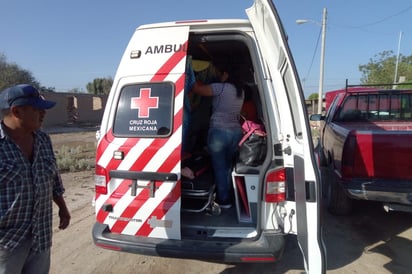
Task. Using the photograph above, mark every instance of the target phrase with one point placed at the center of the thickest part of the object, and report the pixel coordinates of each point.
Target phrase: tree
(48, 89)
(313, 96)
(100, 86)
(11, 74)
(381, 68)
(75, 90)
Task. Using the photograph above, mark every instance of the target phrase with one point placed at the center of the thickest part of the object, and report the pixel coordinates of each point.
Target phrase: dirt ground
(369, 241)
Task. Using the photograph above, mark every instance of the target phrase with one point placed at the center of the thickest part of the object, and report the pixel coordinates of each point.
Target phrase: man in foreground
(29, 182)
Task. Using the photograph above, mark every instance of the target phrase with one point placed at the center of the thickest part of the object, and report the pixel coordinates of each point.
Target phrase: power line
(378, 21)
(313, 55)
(386, 18)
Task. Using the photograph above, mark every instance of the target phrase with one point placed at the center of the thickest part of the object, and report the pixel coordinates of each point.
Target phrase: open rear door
(282, 75)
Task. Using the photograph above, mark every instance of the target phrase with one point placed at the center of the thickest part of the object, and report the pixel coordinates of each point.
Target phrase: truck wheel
(338, 203)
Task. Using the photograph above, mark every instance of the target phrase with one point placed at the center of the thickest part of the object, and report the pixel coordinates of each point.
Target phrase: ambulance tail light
(276, 186)
(101, 178)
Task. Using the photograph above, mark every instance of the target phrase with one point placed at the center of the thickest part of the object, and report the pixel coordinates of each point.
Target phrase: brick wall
(74, 108)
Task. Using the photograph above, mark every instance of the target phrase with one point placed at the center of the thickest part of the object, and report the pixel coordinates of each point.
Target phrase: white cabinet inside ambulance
(143, 203)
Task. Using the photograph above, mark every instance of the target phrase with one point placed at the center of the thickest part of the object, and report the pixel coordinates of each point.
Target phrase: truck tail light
(101, 179)
(348, 156)
(276, 186)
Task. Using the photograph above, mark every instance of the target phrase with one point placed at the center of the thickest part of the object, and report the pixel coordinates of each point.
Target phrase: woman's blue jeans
(223, 147)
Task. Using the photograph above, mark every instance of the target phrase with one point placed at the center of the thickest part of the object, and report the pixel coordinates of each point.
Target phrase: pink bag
(252, 147)
(250, 127)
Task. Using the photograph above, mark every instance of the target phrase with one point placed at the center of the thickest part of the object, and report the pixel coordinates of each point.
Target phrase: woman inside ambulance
(224, 131)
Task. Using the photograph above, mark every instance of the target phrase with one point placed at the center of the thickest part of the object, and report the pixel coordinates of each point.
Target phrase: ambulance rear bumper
(268, 248)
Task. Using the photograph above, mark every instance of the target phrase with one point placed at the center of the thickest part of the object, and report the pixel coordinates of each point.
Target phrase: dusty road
(370, 241)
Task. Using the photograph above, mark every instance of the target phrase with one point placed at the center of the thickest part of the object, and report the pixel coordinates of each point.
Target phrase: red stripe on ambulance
(167, 203)
(169, 65)
(140, 199)
(139, 164)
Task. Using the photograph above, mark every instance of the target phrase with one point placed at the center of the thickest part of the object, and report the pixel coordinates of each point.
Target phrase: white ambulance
(144, 205)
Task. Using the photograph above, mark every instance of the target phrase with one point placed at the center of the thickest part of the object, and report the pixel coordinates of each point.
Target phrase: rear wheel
(338, 203)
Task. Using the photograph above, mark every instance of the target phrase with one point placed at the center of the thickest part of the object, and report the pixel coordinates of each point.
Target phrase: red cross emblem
(144, 103)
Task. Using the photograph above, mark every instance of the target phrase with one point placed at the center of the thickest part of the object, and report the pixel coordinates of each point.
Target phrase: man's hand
(64, 218)
(63, 212)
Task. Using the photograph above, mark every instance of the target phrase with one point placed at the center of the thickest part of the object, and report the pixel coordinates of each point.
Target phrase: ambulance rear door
(140, 147)
(281, 79)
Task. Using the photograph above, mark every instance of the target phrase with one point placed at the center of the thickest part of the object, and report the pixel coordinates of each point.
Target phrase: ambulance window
(145, 110)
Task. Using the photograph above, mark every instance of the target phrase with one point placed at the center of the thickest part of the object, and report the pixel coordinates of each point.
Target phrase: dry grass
(74, 151)
(70, 159)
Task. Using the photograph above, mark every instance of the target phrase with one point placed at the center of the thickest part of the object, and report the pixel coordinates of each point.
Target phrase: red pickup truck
(365, 146)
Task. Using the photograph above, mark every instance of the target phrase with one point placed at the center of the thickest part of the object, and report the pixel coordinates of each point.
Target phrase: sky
(67, 44)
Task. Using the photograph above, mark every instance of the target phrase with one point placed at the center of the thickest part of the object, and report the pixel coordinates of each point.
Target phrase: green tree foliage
(381, 68)
(48, 89)
(100, 86)
(313, 96)
(11, 74)
(75, 90)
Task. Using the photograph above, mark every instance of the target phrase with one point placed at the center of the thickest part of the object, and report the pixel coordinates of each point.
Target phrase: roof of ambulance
(199, 22)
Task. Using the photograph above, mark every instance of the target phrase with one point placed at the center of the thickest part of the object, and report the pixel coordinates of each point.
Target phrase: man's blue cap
(23, 95)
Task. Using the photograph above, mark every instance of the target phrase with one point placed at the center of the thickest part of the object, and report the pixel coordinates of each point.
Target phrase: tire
(338, 203)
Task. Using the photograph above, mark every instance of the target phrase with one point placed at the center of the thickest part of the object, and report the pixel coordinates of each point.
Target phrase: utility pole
(322, 55)
(322, 62)
(395, 79)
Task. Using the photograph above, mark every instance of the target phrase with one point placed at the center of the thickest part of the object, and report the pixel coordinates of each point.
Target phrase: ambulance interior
(200, 216)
